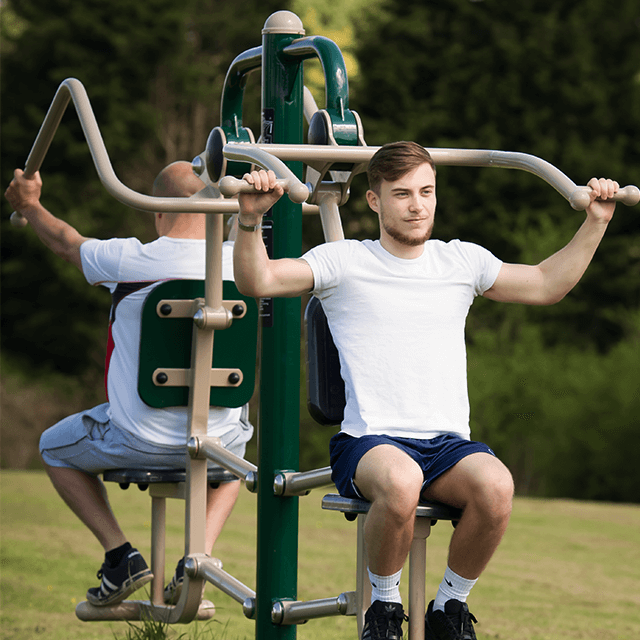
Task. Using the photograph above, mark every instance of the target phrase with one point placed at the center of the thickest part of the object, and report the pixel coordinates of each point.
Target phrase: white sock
(385, 588)
(452, 587)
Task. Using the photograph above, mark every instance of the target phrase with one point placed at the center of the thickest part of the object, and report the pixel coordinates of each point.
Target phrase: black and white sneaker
(383, 621)
(452, 624)
(173, 590)
(119, 582)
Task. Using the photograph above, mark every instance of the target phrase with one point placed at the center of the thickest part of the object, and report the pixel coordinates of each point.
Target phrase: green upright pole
(278, 440)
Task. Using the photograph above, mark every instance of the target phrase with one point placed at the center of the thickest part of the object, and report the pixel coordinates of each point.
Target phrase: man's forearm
(56, 234)
(255, 273)
(258, 276)
(250, 261)
(564, 269)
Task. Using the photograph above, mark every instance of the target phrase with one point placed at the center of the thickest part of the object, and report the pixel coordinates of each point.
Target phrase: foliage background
(554, 390)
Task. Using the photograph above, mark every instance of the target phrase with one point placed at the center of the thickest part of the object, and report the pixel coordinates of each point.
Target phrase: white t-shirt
(123, 265)
(399, 328)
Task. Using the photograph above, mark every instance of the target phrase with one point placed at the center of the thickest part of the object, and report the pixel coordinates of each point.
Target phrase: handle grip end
(18, 220)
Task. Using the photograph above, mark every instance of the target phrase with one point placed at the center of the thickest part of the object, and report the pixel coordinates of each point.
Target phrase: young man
(396, 309)
(125, 432)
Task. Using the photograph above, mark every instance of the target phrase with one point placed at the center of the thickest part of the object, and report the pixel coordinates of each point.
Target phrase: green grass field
(565, 570)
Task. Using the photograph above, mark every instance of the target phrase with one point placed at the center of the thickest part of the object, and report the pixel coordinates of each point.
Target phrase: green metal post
(278, 442)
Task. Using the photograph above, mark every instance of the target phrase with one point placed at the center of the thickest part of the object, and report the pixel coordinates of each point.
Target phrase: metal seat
(144, 477)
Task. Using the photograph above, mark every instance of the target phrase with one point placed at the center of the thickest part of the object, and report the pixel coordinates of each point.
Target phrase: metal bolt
(249, 608)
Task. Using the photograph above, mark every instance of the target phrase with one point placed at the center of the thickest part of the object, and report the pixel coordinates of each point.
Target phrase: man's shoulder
(454, 246)
(110, 244)
(337, 245)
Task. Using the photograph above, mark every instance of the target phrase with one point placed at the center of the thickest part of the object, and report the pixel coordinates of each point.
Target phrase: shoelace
(393, 618)
(463, 620)
(467, 628)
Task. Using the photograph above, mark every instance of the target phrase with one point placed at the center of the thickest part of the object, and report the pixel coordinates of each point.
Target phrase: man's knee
(391, 478)
(479, 480)
(493, 491)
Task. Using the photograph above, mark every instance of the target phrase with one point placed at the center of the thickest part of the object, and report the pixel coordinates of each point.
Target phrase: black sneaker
(118, 582)
(452, 624)
(173, 590)
(383, 621)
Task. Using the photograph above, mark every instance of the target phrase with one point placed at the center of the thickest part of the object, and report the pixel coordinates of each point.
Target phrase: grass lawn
(565, 570)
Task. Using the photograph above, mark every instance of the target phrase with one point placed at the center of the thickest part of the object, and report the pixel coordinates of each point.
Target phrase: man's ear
(373, 200)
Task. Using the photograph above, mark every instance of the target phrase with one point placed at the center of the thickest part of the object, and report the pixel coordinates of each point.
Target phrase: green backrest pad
(166, 343)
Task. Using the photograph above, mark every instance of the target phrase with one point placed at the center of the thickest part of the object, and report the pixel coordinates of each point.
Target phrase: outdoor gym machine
(334, 154)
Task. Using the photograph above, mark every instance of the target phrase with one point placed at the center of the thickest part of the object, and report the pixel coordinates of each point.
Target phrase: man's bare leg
(87, 497)
(482, 487)
(391, 481)
(220, 503)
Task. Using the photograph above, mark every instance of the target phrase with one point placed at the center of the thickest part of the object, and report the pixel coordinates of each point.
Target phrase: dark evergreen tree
(153, 72)
(557, 80)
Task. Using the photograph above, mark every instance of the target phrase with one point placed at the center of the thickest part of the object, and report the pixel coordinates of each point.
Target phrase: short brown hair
(394, 160)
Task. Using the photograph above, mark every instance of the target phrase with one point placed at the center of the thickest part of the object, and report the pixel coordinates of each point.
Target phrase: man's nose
(415, 203)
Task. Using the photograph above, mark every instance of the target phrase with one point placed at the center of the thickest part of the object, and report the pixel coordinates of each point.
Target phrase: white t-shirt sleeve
(328, 263)
(102, 259)
(484, 264)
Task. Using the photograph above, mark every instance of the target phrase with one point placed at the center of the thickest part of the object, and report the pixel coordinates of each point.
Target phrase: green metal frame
(279, 443)
(343, 123)
(281, 58)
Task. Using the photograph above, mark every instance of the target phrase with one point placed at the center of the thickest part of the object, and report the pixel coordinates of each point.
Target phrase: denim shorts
(89, 442)
(434, 456)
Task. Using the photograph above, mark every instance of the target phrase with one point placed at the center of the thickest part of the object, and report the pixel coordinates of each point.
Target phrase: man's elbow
(547, 298)
(244, 287)
(250, 288)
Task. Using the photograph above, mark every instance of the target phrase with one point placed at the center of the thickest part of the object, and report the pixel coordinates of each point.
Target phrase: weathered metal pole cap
(283, 22)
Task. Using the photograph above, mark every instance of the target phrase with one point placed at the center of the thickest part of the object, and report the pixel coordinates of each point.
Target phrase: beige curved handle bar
(72, 89)
(318, 156)
(230, 186)
(629, 195)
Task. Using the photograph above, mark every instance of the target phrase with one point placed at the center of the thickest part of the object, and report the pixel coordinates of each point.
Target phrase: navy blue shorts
(434, 456)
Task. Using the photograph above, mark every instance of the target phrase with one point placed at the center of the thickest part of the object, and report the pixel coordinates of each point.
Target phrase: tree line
(554, 390)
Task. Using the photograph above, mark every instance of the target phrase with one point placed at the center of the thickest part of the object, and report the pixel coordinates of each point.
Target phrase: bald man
(124, 432)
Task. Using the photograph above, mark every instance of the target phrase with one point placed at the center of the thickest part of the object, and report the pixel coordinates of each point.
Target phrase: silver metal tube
(210, 448)
(286, 612)
(210, 569)
(292, 483)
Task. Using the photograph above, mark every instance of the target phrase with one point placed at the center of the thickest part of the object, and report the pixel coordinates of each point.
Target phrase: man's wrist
(27, 209)
(245, 225)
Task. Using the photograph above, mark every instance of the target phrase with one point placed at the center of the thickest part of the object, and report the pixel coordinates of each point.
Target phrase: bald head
(177, 180)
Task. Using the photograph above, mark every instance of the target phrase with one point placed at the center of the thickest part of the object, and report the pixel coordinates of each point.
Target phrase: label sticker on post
(266, 304)
(268, 120)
